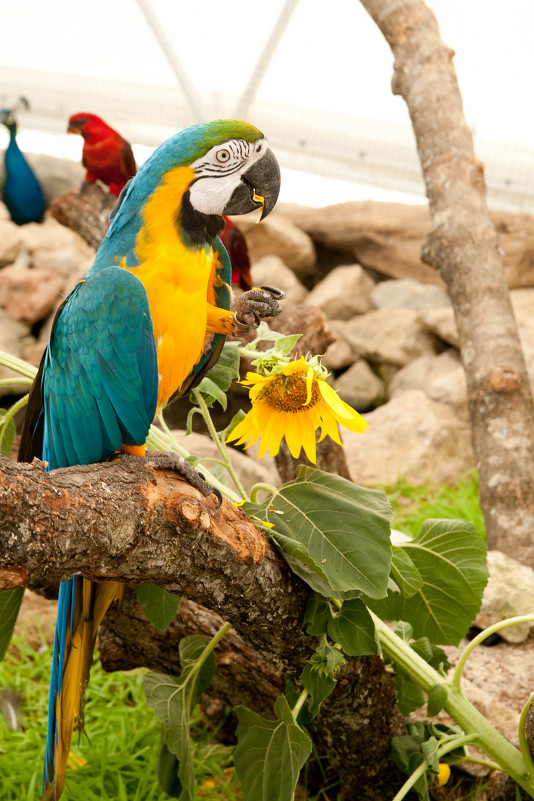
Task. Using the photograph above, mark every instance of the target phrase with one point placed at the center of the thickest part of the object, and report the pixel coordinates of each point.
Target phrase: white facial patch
(219, 172)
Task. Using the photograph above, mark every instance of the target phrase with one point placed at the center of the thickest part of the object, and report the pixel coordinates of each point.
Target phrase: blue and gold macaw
(21, 191)
(150, 317)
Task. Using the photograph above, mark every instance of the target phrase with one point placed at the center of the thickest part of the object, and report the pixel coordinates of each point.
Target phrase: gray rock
(29, 295)
(56, 176)
(14, 336)
(409, 294)
(339, 354)
(509, 592)
(360, 387)
(10, 241)
(393, 336)
(410, 437)
(278, 236)
(441, 377)
(272, 271)
(344, 293)
(442, 323)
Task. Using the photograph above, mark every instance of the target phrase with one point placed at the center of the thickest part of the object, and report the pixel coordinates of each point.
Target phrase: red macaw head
(88, 125)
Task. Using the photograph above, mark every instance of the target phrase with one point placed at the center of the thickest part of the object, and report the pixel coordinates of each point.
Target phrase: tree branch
(464, 247)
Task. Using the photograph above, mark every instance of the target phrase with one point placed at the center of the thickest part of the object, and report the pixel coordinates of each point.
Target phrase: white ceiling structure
(313, 75)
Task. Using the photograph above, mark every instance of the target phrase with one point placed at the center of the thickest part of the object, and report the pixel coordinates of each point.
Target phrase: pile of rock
(395, 357)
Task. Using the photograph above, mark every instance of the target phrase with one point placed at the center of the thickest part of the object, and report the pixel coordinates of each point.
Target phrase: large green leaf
(159, 606)
(172, 698)
(353, 629)
(450, 556)
(404, 572)
(344, 529)
(270, 753)
(10, 601)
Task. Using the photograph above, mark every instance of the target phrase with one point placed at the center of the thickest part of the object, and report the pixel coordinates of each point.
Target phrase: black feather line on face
(200, 228)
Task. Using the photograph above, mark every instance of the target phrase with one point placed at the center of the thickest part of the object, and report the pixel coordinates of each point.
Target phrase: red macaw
(106, 155)
(236, 245)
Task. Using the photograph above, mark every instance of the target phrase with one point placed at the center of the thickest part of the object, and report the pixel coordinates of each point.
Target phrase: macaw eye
(222, 156)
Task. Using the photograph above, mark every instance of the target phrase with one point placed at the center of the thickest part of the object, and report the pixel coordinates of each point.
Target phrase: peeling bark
(85, 212)
(463, 246)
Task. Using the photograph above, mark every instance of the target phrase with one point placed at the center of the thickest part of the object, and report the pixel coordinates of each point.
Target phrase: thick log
(85, 212)
(463, 247)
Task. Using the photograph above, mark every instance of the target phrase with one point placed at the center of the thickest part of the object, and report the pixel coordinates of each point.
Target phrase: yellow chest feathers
(176, 280)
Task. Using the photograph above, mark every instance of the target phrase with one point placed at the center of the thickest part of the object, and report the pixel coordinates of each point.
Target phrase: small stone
(409, 294)
(29, 295)
(344, 293)
(278, 236)
(508, 593)
(360, 387)
(271, 271)
(393, 336)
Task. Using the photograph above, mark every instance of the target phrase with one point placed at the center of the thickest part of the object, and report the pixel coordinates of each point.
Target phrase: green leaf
(191, 649)
(236, 419)
(344, 528)
(301, 563)
(167, 696)
(354, 630)
(270, 753)
(410, 695)
(172, 698)
(317, 614)
(450, 556)
(436, 657)
(404, 572)
(212, 392)
(318, 675)
(168, 768)
(404, 630)
(285, 344)
(10, 601)
(8, 433)
(430, 753)
(159, 605)
(437, 698)
(220, 378)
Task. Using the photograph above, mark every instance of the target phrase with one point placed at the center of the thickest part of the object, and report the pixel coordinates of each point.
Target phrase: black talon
(279, 294)
(218, 495)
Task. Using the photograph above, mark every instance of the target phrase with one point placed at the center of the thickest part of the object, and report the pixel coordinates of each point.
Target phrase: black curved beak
(259, 188)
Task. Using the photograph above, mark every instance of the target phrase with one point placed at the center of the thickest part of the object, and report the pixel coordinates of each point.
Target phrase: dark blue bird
(21, 192)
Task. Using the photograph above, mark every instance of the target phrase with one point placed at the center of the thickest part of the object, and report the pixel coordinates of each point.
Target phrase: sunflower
(293, 401)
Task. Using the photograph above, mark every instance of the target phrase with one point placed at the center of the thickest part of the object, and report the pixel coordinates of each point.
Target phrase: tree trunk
(463, 246)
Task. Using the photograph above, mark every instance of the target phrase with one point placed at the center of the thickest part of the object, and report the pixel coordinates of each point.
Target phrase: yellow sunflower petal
(244, 430)
(344, 413)
(308, 437)
(271, 435)
(309, 385)
(329, 426)
(293, 434)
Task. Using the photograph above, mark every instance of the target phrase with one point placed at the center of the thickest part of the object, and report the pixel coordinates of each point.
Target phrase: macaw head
(91, 127)
(234, 171)
(192, 181)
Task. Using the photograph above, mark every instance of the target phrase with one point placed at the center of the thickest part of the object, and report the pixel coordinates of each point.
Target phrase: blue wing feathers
(100, 379)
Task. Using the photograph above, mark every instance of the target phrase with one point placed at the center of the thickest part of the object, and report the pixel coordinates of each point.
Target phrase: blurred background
(314, 76)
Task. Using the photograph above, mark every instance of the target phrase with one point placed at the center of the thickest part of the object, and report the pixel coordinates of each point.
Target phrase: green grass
(413, 505)
(118, 762)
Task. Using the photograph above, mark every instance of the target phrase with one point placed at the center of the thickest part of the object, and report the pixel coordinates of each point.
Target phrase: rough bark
(85, 212)
(463, 246)
(132, 523)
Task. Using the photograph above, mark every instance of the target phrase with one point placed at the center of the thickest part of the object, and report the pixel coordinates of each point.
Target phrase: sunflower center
(288, 393)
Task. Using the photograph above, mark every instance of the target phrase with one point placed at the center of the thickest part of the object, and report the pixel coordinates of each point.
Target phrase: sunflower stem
(10, 414)
(219, 443)
(261, 487)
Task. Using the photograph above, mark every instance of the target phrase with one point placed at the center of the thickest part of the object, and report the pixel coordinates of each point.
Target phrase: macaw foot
(168, 460)
(257, 303)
